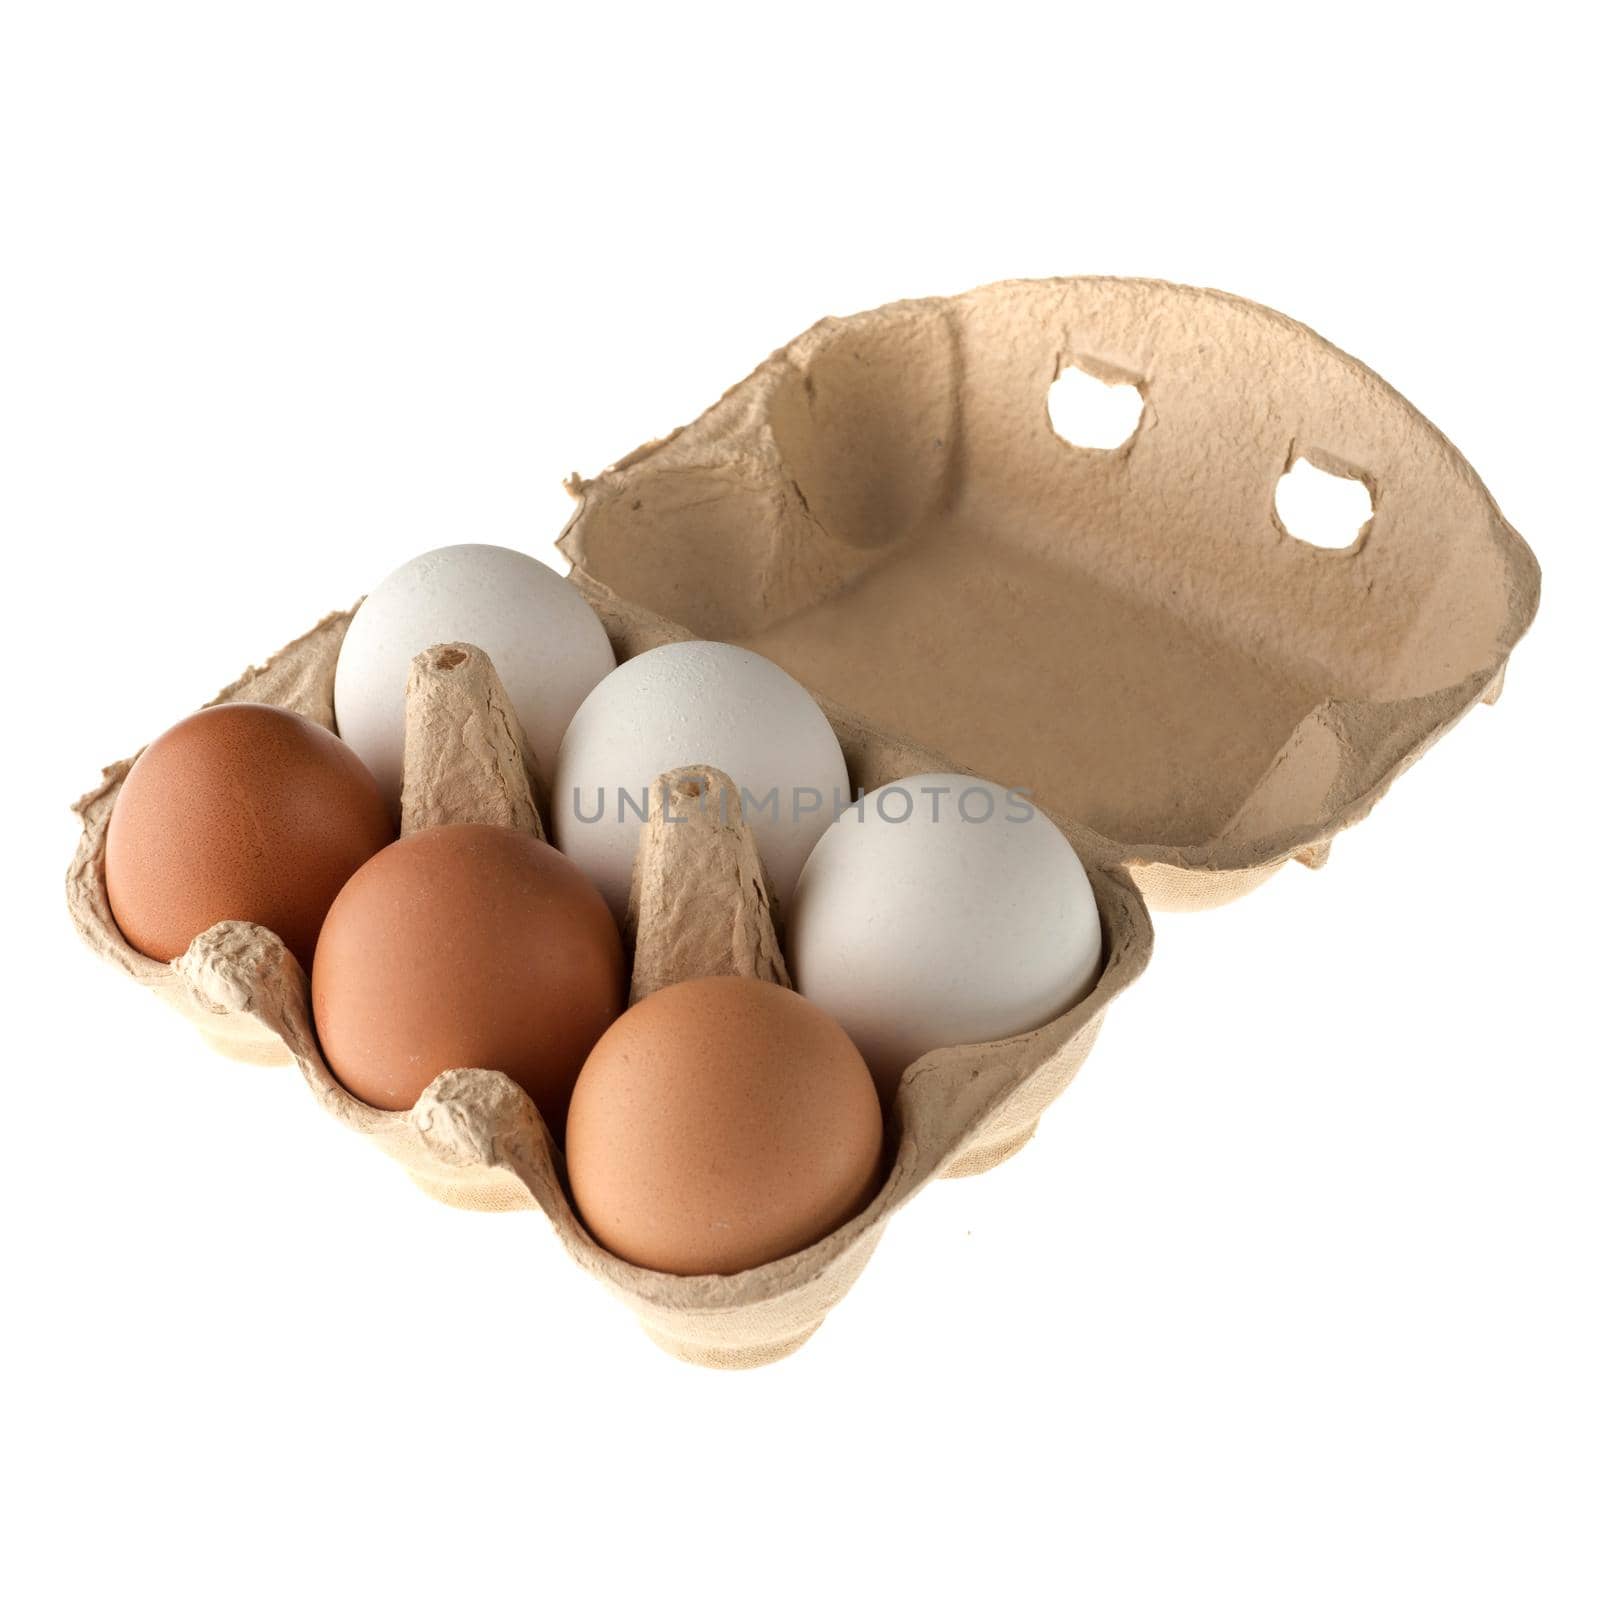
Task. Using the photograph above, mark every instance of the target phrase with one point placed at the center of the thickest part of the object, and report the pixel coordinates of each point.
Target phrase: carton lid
(1131, 633)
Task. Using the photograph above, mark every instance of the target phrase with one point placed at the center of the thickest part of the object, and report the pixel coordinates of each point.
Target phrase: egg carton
(885, 508)
(700, 907)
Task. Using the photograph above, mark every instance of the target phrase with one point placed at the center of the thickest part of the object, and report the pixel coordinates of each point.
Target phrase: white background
(1295, 1292)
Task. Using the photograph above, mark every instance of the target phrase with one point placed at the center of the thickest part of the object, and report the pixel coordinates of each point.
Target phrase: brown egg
(466, 946)
(720, 1124)
(239, 813)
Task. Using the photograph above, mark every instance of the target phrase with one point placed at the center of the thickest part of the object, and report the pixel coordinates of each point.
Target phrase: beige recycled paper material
(884, 508)
(700, 905)
(466, 756)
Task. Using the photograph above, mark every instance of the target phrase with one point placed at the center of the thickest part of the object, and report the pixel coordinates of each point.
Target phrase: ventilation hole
(1091, 414)
(1322, 508)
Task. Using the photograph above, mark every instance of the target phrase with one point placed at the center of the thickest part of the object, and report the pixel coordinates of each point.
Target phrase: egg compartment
(887, 508)
(700, 906)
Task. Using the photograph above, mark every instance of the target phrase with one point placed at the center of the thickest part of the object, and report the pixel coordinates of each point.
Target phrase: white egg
(942, 910)
(545, 642)
(684, 705)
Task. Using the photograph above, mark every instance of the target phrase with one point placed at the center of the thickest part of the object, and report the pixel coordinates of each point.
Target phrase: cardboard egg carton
(885, 509)
(700, 907)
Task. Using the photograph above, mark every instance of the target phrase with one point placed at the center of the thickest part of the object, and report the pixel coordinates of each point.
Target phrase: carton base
(983, 1156)
(492, 1191)
(722, 1359)
(475, 1142)
(245, 1039)
(1169, 888)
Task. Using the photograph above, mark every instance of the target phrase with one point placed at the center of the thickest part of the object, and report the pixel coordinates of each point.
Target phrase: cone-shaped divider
(700, 905)
(466, 756)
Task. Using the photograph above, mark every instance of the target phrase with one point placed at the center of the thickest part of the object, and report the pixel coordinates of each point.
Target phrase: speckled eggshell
(942, 910)
(677, 705)
(720, 1124)
(239, 813)
(546, 644)
(466, 946)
